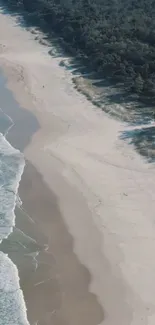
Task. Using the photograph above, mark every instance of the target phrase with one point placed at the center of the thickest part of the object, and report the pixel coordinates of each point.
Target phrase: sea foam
(11, 168)
(12, 305)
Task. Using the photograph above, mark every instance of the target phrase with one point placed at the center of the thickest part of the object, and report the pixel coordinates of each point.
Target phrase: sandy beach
(89, 193)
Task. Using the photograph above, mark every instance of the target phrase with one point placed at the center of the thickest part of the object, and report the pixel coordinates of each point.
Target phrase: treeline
(116, 37)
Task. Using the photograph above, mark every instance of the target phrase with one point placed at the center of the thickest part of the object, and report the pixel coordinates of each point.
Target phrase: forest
(116, 38)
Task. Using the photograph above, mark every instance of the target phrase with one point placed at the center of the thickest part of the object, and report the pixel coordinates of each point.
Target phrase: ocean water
(12, 305)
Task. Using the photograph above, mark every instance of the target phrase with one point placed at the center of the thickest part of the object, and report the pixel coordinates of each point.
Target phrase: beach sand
(89, 194)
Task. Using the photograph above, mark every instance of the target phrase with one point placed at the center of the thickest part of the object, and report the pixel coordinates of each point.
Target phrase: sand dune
(105, 190)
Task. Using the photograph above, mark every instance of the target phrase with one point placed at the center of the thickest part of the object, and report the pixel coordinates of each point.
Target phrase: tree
(138, 84)
(116, 37)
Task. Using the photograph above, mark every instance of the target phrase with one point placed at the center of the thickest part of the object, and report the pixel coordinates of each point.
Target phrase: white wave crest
(12, 305)
(11, 168)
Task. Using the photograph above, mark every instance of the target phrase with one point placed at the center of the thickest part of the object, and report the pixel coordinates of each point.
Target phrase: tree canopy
(117, 37)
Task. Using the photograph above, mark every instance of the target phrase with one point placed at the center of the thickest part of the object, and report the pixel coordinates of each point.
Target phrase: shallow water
(12, 305)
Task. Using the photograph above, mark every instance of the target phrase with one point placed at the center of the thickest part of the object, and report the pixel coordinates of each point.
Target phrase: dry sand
(104, 190)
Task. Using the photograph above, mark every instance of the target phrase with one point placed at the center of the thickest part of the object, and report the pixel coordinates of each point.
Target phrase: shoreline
(104, 190)
(45, 272)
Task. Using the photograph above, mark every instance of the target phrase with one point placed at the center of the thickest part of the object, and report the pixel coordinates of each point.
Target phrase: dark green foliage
(116, 37)
(138, 84)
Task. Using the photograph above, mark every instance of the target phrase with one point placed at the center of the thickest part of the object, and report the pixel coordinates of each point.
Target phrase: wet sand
(56, 284)
(58, 291)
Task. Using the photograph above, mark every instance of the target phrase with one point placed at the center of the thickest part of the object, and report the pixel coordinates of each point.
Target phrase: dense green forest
(116, 37)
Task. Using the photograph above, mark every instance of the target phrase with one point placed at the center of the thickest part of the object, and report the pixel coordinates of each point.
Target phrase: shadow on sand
(143, 140)
(105, 94)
